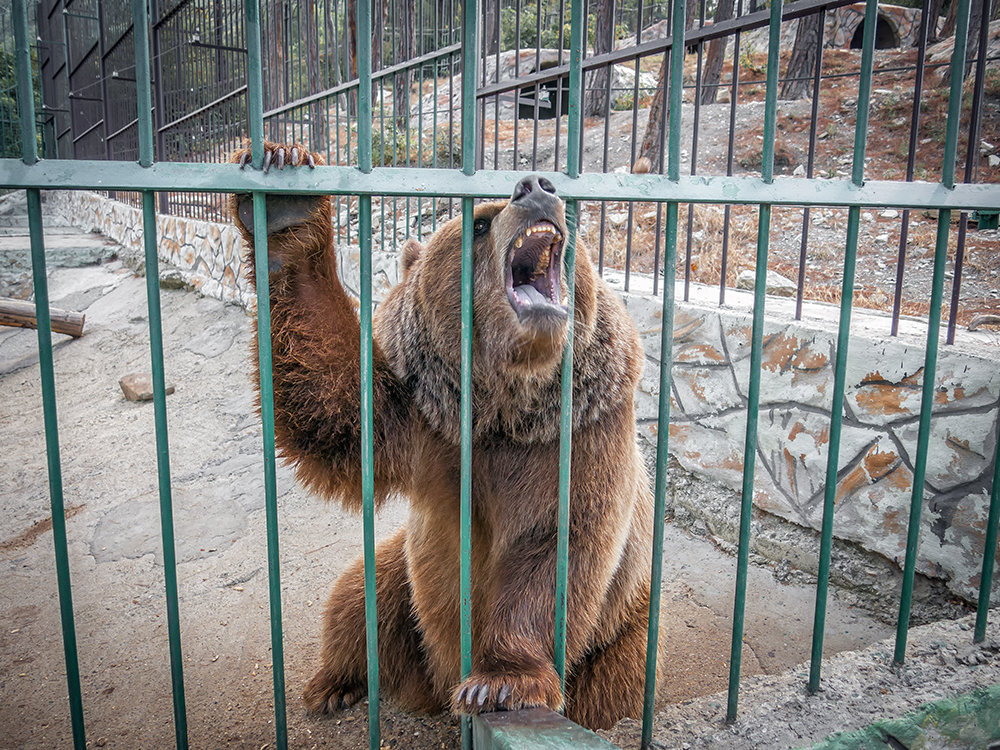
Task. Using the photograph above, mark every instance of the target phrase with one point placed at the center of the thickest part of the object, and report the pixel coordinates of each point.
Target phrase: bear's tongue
(529, 293)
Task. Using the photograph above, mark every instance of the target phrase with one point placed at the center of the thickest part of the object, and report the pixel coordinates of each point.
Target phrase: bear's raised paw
(292, 154)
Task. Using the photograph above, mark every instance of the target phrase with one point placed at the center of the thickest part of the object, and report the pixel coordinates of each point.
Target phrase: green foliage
(624, 102)
(748, 58)
(10, 124)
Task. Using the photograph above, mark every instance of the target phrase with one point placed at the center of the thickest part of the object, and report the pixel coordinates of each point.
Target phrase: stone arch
(886, 33)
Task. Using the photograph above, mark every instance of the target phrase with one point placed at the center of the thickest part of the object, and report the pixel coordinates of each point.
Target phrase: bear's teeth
(543, 264)
(520, 241)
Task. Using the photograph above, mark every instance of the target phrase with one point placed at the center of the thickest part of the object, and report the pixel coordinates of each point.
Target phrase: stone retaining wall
(207, 253)
(878, 442)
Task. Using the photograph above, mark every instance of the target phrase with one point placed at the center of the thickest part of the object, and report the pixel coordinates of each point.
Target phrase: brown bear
(520, 328)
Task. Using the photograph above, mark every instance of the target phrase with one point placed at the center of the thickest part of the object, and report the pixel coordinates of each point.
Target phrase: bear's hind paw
(326, 695)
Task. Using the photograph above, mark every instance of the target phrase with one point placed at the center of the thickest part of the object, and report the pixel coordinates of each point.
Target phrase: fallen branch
(15, 312)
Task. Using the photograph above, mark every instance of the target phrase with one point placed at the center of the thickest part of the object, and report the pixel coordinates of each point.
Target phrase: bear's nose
(534, 192)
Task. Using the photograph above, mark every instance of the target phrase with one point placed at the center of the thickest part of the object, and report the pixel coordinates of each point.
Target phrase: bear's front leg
(513, 644)
(315, 340)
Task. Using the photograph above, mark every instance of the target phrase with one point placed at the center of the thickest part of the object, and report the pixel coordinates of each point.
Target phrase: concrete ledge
(534, 728)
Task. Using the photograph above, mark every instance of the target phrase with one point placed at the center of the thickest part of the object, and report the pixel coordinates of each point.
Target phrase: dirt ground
(109, 477)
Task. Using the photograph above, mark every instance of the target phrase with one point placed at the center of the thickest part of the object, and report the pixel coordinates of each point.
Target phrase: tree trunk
(405, 49)
(604, 39)
(975, 19)
(933, 19)
(658, 110)
(716, 53)
(949, 22)
(490, 27)
(802, 64)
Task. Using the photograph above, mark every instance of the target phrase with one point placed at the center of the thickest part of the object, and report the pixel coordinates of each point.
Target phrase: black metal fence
(310, 85)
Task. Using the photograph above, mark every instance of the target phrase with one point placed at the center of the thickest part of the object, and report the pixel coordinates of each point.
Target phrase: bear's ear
(411, 251)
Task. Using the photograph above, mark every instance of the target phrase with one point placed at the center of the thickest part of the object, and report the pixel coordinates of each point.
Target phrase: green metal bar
(364, 26)
(368, 466)
(565, 448)
(989, 551)
(843, 340)
(270, 492)
(666, 371)
(255, 96)
(447, 183)
(771, 95)
(955, 93)
(470, 18)
(140, 25)
(566, 409)
(575, 111)
(255, 99)
(923, 435)
(933, 330)
(660, 482)
(756, 346)
(55, 471)
(749, 459)
(163, 468)
(29, 154)
(465, 512)
(25, 92)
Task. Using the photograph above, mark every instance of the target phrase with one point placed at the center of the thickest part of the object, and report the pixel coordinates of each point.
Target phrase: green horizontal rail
(447, 183)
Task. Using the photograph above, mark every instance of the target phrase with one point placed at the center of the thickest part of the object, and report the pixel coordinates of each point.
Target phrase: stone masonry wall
(708, 399)
(207, 253)
(879, 437)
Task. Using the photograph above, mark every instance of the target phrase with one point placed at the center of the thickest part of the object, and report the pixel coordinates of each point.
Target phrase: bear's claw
(508, 691)
(279, 155)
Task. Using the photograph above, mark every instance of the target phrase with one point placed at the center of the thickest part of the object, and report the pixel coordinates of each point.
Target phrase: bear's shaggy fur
(515, 462)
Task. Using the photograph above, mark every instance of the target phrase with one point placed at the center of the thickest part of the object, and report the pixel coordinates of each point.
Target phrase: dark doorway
(553, 99)
(886, 36)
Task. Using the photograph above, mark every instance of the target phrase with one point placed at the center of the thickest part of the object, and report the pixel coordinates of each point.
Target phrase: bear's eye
(480, 227)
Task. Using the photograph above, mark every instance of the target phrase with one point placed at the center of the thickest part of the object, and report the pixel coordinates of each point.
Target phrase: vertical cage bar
(364, 27)
(256, 108)
(989, 551)
(756, 346)
(811, 161)
(666, 365)
(29, 155)
(45, 362)
(565, 448)
(140, 34)
(933, 331)
(368, 465)
(469, 42)
(843, 340)
(566, 408)
(971, 160)
(918, 88)
(465, 540)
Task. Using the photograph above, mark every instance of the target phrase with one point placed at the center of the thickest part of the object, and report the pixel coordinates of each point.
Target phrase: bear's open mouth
(533, 270)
